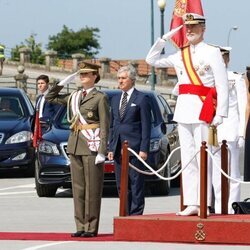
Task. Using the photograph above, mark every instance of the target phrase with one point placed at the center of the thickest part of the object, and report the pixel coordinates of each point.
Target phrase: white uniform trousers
(234, 171)
(191, 136)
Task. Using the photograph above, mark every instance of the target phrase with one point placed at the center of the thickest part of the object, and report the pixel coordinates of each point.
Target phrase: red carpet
(216, 229)
(51, 236)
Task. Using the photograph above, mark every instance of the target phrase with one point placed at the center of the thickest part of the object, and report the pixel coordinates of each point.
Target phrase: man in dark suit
(46, 110)
(131, 121)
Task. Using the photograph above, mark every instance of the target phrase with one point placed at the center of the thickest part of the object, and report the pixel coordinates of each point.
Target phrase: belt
(209, 103)
(193, 89)
(85, 126)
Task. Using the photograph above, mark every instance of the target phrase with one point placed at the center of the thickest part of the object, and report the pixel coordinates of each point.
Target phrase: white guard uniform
(208, 63)
(231, 129)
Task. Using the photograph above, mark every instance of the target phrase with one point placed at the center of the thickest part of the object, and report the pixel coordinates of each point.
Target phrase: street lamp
(153, 77)
(229, 33)
(162, 5)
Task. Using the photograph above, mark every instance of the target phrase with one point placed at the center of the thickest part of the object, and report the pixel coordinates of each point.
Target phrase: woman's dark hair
(97, 76)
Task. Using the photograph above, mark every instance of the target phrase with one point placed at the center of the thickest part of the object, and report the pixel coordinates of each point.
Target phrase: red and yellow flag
(37, 131)
(182, 7)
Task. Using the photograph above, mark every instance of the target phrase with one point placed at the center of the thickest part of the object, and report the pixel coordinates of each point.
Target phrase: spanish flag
(182, 7)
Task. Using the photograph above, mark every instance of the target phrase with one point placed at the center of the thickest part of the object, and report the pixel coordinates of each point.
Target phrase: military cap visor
(88, 67)
(192, 18)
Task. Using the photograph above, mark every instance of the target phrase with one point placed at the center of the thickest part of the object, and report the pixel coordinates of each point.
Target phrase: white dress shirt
(129, 92)
(41, 103)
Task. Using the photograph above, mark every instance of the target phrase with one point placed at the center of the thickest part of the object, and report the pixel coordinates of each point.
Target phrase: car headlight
(48, 148)
(22, 136)
(154, 145)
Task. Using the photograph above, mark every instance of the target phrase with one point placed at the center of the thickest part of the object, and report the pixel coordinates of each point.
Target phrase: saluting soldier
(233, 131)
(201, 73)
(88, 113)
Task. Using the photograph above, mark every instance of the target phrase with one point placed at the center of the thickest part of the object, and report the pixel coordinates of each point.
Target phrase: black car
(16, 117)
(52, 168)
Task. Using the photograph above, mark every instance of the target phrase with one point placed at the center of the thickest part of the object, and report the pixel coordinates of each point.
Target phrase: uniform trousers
(191, 136)
(87, 184)
(234, 171)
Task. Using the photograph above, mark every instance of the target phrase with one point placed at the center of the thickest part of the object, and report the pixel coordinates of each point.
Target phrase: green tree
(68, 42)
(37, 55)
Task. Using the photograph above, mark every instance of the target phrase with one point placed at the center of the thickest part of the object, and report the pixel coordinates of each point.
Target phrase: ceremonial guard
(201, 74)
(233, 131)
(88, 114)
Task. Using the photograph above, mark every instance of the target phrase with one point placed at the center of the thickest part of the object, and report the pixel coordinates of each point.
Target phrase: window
(164, 107)
(10, 106)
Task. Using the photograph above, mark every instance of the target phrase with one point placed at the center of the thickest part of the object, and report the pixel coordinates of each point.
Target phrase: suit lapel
(131, 100)
(117, 105)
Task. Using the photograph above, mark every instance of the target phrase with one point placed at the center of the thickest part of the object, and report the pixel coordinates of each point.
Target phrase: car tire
(162, 187)
(30, 171)
(43, 190)
(175, 183)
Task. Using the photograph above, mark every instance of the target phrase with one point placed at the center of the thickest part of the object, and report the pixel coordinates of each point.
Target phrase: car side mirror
(170, 119)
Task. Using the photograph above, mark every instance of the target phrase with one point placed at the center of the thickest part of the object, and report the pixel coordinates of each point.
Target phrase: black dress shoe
(88, 234)
(78, 234)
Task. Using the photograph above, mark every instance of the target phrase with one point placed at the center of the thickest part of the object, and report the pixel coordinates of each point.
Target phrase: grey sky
(125, 30)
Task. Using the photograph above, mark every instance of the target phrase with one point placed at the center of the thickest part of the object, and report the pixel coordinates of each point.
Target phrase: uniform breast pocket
(91, 113)
(179, 68)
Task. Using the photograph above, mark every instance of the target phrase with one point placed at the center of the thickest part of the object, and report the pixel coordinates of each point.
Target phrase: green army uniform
(87, 178)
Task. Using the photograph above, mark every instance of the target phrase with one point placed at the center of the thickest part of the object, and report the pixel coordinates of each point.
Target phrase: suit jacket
(96, 103)
(135, 126)
(49, 109)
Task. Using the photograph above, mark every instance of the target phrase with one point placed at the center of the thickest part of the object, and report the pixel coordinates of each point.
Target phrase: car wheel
(162, 187)
(30, 171)
(175, 183)
(43, 190)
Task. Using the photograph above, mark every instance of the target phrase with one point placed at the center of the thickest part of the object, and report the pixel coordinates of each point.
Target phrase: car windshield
(10, 107)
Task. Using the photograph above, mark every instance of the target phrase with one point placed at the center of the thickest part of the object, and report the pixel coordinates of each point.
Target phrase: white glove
(67, 80)
(241, 142)
(168, 35)
(100, 158)
(217, 120)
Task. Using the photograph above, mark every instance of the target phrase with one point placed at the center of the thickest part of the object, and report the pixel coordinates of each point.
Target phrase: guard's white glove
(217, 120)
(67, 80)
(100, 158)
(168, 35)
(240, 142)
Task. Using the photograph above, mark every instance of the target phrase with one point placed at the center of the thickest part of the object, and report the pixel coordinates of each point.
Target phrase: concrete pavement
(23, 211)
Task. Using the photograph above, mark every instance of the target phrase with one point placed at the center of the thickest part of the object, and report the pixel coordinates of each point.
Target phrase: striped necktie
(123, 104)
